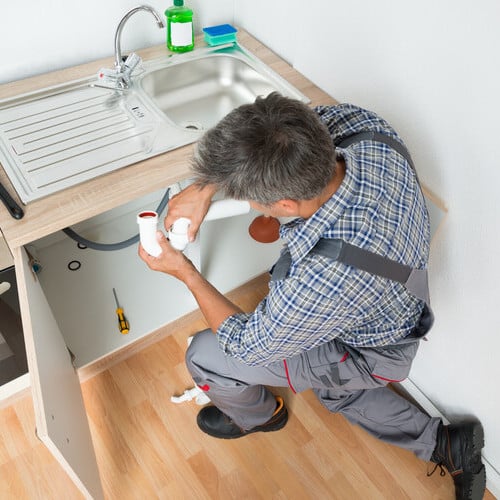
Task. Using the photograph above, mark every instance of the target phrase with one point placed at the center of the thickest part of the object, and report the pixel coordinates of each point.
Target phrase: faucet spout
(119, 29)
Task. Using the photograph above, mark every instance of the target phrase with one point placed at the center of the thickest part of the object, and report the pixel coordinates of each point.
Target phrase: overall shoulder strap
(414, 280)
(378, 137)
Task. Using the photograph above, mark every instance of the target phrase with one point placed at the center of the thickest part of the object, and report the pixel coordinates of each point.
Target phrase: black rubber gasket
(74, 265)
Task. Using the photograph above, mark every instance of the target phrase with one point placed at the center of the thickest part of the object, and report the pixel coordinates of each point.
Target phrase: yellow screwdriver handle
(123, 324)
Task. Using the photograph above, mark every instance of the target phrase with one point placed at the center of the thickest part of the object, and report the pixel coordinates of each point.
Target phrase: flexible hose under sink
(107, 247)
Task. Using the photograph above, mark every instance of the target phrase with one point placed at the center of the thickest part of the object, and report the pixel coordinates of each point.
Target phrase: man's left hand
(170, 261)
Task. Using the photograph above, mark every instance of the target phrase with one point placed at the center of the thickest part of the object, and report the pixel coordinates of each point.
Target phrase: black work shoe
(458, 448)
(212, 421)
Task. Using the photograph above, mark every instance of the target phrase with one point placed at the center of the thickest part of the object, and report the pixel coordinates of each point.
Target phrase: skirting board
(492, 475)
(14, 390)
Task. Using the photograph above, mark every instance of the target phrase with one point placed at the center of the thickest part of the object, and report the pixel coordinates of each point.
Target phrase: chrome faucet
(118, 51)
(119, 77)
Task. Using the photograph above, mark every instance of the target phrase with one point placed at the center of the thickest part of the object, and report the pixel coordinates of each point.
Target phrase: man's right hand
(193, 203)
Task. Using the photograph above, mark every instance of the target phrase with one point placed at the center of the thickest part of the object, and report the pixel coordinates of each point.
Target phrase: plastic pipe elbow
(148, 224)
(177, 235)
(218, 210)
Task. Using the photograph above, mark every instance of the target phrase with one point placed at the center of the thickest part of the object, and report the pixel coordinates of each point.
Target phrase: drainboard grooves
(36, 161)
(72, 169)
(31, 148)
(52, 120)
(49, 119)
(52, 105)
(62, 136)
(100, 119)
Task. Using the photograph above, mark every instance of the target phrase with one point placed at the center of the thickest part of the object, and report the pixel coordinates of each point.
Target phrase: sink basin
(197, 93)
(61, 136)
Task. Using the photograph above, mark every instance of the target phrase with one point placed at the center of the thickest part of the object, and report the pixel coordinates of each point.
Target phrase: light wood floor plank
(148, 447)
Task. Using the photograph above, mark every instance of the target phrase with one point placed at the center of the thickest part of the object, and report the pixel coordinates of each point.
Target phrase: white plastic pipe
(189, 394)
(227, 208)
(218, 210)
(178, 233)
(148, 224)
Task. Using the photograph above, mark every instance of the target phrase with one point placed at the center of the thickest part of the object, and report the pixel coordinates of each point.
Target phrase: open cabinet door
(60, 414)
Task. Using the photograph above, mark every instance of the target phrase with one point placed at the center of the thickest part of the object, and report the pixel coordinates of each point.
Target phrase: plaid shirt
(379, 207)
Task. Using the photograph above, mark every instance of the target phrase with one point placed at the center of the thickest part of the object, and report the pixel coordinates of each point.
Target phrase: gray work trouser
(346, 380)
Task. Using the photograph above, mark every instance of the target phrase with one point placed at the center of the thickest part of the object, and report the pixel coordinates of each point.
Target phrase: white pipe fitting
(148, 224)
(178, 233)
(218, 210)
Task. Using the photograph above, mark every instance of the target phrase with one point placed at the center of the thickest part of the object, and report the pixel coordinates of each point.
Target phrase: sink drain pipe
(94, 245)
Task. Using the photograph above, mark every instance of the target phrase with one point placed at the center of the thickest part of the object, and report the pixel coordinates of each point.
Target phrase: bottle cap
(178, 3)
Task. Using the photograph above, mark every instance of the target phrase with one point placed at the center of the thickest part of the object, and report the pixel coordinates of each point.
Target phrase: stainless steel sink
(197, 93)
(67, 134)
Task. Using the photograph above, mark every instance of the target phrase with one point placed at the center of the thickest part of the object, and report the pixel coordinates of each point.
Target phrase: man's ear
(289, 207)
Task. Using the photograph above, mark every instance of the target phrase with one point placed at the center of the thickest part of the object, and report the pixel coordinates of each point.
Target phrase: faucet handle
(132, 61)
(119, 77)
(110, 78)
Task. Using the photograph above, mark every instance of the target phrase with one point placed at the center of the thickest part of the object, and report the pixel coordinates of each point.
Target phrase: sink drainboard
(55, 141)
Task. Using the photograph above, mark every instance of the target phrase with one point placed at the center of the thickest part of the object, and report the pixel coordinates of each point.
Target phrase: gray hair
(276, 148)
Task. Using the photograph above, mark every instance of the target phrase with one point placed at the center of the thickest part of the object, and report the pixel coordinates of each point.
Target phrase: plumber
(348, 299)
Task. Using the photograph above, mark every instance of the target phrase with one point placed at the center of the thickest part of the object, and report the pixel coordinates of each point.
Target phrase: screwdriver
(123, 324)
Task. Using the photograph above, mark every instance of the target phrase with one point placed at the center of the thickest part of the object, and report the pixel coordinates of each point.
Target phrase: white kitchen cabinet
(69, 316)
(60, 416)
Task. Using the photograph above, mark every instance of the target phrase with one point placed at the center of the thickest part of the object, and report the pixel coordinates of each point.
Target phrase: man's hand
(192, 203)
(214, 306)
(170, 261)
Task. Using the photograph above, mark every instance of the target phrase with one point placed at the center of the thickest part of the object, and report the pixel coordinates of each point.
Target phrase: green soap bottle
(180, 33)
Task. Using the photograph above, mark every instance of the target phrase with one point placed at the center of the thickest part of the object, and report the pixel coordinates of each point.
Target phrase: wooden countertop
(72, 205)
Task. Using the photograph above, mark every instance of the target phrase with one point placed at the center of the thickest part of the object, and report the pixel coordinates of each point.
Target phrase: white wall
(37, 36)
(433, 70)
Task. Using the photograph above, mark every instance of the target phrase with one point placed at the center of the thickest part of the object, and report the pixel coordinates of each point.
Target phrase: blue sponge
(217, 35)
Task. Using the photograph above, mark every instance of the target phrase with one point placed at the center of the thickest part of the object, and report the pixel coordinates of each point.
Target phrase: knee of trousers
(200, 352)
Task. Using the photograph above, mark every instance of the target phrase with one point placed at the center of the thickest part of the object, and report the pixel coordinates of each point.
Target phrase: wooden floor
(148, 447)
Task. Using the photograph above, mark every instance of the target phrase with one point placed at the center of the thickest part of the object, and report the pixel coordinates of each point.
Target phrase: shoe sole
(478, 484)
(478, 479)
(478, 437)
(274, 427)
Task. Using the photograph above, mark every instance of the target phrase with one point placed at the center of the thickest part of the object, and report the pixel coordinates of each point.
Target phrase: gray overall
(352, 381)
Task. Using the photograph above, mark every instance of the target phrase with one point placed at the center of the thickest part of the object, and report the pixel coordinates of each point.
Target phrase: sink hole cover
(191, 125)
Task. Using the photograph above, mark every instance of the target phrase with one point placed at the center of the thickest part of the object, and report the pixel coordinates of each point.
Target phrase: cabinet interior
(13, 362)
(82, 300)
